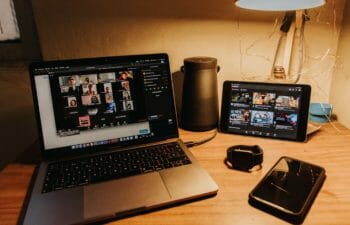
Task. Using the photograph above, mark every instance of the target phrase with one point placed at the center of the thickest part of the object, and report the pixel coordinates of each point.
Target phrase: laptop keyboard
(95, 169)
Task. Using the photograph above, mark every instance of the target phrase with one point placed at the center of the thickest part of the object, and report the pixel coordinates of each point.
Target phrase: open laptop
(109, 138)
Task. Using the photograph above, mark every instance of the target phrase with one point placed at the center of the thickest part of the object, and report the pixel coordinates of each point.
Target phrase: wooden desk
(329, 148)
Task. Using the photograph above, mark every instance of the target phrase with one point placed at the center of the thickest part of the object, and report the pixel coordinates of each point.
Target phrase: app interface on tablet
(264, 110)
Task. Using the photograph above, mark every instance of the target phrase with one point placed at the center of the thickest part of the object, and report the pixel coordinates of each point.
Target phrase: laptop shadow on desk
(18, 132)
(31, 155)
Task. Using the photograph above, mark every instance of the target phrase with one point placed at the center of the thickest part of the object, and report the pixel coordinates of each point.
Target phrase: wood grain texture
(329, 148)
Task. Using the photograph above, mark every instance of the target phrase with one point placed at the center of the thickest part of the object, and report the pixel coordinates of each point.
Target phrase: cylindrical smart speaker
(200, 94)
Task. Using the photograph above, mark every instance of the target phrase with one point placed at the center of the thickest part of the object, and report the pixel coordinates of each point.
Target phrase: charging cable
(190, 144)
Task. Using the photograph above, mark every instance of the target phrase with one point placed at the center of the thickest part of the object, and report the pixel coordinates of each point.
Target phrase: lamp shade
(279, 5)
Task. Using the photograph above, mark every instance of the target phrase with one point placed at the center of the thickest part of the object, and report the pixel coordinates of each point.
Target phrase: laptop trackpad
(113, 197)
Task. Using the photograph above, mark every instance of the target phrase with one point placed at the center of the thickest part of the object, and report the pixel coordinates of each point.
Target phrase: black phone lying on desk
(288, 189)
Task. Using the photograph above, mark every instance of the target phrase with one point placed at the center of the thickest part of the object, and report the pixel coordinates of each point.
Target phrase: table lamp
(279, 5)
(294, 19)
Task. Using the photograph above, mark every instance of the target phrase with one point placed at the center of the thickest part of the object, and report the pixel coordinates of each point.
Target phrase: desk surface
(329, 148)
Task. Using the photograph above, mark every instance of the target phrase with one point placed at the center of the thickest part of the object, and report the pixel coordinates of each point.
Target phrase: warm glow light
(279, 5)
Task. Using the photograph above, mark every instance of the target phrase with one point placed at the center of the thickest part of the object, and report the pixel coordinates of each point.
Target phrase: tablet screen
(265, 109)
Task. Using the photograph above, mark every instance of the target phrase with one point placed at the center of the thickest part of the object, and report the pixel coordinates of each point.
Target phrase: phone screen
(288, 184)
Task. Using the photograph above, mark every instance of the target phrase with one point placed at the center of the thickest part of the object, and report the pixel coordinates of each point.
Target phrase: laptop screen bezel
(67, 151)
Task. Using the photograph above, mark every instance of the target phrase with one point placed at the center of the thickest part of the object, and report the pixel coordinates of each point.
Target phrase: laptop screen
(93, 103)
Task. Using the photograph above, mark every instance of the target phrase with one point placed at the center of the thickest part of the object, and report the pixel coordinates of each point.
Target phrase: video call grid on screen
(87, 125)
(92, 101)
(253, 110)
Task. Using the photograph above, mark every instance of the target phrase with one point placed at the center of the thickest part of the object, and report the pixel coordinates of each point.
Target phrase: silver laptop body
(90, 108)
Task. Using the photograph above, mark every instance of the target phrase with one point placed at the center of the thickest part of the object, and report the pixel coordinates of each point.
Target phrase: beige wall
(340, 92)
(243, 41)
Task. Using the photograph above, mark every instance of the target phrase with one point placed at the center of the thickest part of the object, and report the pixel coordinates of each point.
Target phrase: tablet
(265, 109)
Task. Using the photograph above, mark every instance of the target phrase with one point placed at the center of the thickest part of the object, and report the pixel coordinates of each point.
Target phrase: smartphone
(288, 189)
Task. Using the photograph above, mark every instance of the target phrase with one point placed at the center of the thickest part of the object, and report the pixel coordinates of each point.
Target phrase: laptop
(109, 140)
